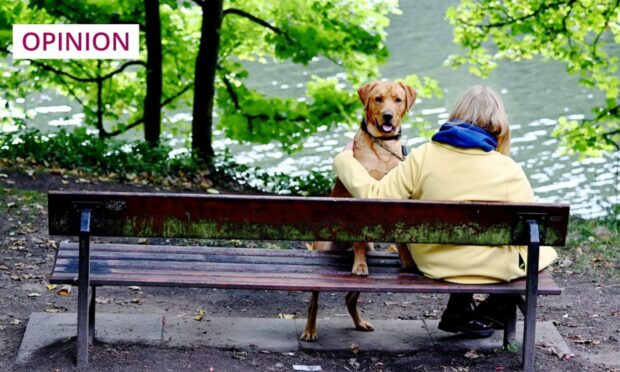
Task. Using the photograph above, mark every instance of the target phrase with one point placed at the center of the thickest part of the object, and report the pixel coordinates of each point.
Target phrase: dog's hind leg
(360, 324)
(310, 333)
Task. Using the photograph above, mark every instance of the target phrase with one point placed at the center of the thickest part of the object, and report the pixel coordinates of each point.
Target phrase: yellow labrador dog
(378, 148)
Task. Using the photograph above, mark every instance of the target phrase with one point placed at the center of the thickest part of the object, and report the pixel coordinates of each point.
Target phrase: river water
(535, 95)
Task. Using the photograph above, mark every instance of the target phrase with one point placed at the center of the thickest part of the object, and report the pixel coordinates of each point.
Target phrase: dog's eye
(379, 99)
(398, 100)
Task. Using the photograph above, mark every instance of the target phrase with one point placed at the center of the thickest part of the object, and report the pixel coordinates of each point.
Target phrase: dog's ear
(364, 92)
(410, 95)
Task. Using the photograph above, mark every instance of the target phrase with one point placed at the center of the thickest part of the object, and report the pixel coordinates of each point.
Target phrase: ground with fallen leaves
(587, 314)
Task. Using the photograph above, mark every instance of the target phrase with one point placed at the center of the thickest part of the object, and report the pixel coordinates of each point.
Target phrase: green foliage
(91, 154)
(349, 33)
(582, 34)
(123, 94)
(81, 152)
(258, 118)
(313, 184)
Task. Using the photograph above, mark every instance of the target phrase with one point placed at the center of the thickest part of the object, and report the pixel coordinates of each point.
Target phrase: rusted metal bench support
(86, 313)
(531, 294)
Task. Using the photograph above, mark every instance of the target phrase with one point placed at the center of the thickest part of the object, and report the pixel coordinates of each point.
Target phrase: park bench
(118, 214)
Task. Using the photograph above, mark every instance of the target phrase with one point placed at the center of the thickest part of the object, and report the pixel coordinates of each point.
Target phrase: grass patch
(592, 248)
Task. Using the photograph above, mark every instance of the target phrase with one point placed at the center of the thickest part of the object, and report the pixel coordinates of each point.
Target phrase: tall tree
(204, 77)
(582, 34)
(152, 100)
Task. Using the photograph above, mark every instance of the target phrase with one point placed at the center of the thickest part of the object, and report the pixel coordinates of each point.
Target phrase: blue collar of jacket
(465, 135)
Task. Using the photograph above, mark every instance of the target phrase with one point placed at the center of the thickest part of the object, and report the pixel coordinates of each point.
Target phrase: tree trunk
(152, 108)
(100, 127)
(204, 85)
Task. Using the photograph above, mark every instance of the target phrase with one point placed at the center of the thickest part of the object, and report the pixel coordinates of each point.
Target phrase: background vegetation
(194, 53)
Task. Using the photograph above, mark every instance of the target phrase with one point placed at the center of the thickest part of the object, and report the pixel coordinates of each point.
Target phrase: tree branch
(231, 92)
(176, 95)
(255, 19)
(87, 80)
(536, 12)
(124, 129)
(609, 13)
(141, 120)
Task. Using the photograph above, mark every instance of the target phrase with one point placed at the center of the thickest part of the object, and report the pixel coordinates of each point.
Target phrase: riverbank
(587, 314)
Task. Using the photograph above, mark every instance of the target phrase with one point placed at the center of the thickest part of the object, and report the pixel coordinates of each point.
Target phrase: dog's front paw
(309, 336)
(360, 269)
(364, 326)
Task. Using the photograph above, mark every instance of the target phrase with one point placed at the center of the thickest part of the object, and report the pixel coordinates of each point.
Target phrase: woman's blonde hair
(483, 107)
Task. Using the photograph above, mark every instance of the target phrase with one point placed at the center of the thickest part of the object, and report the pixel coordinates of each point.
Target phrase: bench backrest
(308, 219)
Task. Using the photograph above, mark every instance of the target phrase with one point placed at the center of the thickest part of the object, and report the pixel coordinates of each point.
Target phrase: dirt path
(587, 314)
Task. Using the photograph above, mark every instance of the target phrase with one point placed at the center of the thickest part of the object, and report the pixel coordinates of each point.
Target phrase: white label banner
(76, 41)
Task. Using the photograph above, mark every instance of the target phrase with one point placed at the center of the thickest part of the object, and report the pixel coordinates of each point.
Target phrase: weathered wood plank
(402, 283)
(307, 219)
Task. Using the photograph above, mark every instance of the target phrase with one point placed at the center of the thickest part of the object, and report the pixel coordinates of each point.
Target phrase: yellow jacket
(436, 171)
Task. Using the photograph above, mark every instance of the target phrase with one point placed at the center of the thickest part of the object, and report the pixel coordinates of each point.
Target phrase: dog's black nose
(387, 116)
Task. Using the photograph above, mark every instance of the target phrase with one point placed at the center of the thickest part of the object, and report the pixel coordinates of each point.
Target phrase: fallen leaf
(241, 355)
(16, 322)
(56, 309)
(355, 348)
(51, 287)
(136, 300)
(34, 294)
(472, 354)
(212, 191)
(143, 241)
(65, 290)
(287, 316)
(200, 315)
(392, 248)
(134, 288)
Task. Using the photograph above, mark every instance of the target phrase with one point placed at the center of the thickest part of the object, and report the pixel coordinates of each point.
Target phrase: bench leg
(91, 316)
(531, 293)
(83, 323)
(85, 295)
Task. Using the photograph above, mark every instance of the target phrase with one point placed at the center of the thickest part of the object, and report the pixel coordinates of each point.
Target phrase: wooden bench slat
(329, 273)
(104, 266)
(405, 283)
(164, 259)
(307, 219)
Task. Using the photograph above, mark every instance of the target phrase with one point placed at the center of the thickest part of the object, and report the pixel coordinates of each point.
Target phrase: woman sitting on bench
(467, 160)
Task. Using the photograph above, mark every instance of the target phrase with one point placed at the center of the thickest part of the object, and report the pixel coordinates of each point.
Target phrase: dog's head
(386, 103)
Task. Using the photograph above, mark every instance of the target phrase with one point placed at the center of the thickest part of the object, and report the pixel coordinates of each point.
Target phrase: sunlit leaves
(583, 34)
(348, 33)
(262, 119)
